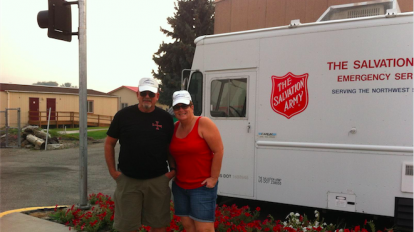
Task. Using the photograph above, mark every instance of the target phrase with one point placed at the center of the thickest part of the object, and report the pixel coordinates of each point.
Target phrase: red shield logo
(289, 94)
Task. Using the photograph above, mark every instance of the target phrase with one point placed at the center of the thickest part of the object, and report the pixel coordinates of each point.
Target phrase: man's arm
(110, 144)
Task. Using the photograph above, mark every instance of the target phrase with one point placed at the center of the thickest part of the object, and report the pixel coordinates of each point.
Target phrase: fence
(5, 132)
(66, 118)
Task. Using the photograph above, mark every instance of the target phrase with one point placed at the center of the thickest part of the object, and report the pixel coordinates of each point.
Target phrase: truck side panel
(360, 94)
(333, 120)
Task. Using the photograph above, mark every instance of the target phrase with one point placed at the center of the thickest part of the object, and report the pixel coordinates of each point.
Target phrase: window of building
(90, 106)
(228, 98)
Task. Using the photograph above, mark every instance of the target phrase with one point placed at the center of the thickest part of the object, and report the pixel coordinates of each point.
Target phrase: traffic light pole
(83, 139)
(58, 20)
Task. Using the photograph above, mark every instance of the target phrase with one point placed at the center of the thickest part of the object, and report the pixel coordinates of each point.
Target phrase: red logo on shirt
(289, 94)
(157, 126)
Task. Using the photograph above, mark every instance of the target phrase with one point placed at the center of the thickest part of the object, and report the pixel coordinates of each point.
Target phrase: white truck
(317, 114)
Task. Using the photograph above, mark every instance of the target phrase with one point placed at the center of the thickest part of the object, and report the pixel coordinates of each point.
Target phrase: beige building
(34, 100)
(128, 96)
(240, 15)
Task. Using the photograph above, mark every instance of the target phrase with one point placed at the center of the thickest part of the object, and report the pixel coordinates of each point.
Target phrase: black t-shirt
(144, 140)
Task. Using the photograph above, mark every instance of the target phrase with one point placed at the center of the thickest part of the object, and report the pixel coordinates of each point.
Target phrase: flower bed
(228, 219)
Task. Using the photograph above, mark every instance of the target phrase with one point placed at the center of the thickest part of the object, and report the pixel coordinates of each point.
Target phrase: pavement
(44, 179)
(18, 221)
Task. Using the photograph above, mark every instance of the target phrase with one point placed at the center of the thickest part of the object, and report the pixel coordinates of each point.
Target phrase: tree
(68, 85)
(193, 18)
(49, 83)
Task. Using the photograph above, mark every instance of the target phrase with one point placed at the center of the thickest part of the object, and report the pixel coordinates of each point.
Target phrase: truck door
(230, 103)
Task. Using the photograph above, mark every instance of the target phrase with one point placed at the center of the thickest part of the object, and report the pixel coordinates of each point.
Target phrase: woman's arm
(209, 131)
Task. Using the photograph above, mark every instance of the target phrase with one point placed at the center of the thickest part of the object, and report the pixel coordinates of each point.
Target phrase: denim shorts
(198, 204)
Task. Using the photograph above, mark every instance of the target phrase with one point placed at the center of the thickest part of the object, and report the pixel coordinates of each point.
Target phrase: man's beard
(147, 105)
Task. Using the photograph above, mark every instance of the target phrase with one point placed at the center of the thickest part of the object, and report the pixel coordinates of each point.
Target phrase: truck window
(228, 98)
(195, 89)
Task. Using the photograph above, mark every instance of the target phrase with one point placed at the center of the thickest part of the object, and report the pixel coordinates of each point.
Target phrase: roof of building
(46, 89)
(135, 89)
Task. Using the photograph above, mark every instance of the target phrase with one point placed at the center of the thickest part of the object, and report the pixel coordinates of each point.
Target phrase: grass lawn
(97, 134)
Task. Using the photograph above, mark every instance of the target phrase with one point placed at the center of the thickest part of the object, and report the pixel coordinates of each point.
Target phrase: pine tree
(193, 18)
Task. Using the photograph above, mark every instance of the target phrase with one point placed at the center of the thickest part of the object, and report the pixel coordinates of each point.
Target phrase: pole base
(84, 207)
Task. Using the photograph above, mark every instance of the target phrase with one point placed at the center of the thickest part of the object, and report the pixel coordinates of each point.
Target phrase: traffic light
(58, 20)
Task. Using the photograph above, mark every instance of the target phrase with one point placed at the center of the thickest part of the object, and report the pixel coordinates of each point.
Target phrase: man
(144, 131)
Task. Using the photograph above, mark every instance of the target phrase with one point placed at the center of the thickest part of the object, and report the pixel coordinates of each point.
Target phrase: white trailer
(317, 115)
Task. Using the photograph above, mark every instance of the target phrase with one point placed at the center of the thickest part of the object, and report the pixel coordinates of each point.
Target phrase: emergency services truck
(317, 114)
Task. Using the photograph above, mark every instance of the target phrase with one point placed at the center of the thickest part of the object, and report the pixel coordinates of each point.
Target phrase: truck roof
(399, 18)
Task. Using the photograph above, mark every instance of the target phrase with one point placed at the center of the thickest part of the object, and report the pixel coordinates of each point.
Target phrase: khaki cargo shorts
(141, 202)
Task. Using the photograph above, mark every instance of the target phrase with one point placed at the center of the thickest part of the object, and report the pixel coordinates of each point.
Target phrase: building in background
(128, 96)
(241, 15)
(35, 100)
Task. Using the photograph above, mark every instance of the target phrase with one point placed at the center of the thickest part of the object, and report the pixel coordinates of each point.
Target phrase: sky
(121, 35)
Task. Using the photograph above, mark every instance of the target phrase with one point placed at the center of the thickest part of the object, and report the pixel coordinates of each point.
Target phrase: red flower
(357, 228)
(258, 209)
(277, 228)
(266, 229)
(56, 207)
(93, 223)
(365, 222)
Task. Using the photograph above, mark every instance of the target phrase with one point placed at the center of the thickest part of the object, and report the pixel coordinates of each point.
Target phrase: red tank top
(193, 158)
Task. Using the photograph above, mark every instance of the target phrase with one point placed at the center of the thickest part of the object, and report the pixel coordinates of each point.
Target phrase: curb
(30, 209)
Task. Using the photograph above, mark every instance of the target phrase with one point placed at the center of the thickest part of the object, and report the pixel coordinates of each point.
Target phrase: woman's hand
(210, 182)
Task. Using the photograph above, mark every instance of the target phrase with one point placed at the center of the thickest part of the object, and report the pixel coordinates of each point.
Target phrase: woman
(198, 151)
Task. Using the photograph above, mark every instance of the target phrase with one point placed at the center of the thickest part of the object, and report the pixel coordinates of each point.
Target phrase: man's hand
(170, 175)
(115, 174)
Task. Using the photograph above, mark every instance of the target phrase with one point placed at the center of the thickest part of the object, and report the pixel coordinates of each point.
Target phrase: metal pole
(83, 143)
(47, 129)
(19, 143)
(7, 127)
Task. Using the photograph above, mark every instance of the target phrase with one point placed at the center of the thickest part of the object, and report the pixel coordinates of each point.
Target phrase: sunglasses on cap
(145, 93)
(182, 106)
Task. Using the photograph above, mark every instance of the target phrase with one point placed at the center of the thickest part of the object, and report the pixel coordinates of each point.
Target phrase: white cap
(148, 84)
(182, 96)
